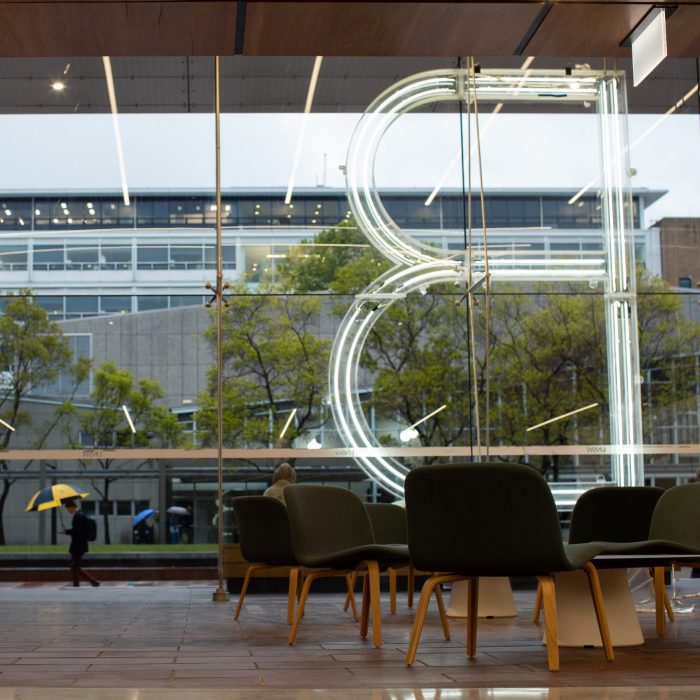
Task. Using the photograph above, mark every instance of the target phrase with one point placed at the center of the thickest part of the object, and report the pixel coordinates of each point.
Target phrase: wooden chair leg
(350, 597)
(668, 607)
(659, 592)
(302, 603)
(599, 605)
(392, 590)
(244, 587)
(293, 592)
(411, 584)
(375, 600)
(364, 615)
(421, 610)
(443, 613)
(549, 604)
(350, 578)
(472, 614)
(538, 604)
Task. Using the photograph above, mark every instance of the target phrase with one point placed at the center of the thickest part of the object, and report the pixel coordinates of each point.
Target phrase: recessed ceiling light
(21, 221)
(289, 216)
(8, 212)
(57, 85)
(89, 205)
(212, 207)
(313, 221)
(227, 207)
(65, 212)
(55, 221)
(257, 213)
(92, 212)
(291, 206)
(37, 212)
(70, 221)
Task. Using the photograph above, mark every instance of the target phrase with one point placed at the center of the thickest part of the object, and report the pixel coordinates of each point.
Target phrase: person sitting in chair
(283, 476)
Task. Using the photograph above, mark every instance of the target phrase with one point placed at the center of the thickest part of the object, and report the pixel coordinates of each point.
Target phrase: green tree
(105, 425)
(550, 358)
(274, 359)
(313, 266)
(33, 352)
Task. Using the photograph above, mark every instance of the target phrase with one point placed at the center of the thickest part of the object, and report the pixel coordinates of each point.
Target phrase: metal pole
(220, 594)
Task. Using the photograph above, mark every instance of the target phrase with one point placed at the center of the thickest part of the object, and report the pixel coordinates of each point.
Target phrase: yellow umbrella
(54, 497)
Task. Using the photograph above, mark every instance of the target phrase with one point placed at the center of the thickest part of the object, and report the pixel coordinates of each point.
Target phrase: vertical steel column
(220, 594)
(620, 294)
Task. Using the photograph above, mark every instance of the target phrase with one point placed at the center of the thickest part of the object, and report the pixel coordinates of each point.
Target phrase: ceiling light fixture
(7, 425)
(300, 142)
(58, 85)
(115, 122)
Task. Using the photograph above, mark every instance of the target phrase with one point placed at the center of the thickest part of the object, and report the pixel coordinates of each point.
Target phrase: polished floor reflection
(152, 641)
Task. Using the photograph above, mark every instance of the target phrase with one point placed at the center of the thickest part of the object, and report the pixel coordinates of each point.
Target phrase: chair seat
(649, 552)
(385, 554)
(661, 547)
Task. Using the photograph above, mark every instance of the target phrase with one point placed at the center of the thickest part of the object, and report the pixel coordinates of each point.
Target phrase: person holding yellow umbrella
(81, 531)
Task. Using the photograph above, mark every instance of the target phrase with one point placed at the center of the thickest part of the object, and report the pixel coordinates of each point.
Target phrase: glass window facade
(125, 287)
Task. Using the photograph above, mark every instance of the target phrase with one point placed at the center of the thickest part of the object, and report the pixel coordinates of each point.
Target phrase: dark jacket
(78, 534)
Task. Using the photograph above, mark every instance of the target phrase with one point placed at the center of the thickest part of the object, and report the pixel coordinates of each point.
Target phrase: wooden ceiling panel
(586, 29)
(683, 32)
(144, 28)
(386, 28)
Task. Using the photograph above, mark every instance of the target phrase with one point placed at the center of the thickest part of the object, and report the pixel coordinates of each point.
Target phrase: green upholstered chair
(390, 527)
(472, 520)
(612, 514)
(332, 533)
(674, 535)
(265, 538)
(263, 528)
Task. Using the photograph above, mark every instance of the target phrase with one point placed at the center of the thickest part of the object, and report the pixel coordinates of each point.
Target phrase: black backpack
(90, 529)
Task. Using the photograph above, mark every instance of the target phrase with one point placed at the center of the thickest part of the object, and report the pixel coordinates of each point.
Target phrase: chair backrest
(263, 527)
(677, 516)
(483, 519)
(389, 523)
(614, 514)
(325, 520)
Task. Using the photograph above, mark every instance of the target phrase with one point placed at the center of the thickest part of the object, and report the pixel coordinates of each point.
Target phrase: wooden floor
(174, 637)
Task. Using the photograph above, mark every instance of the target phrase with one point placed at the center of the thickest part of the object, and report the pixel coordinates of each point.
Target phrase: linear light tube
(302, 132)
(115, 122)
(7, 425)
(562, 416)
(128, 418)
(453, 162)
(678, 104)
(289, 420)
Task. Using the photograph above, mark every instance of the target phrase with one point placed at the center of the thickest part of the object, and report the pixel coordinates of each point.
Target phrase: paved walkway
(174, 636)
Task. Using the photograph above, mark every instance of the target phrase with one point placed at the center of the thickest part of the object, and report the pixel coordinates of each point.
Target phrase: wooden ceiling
(36, 28)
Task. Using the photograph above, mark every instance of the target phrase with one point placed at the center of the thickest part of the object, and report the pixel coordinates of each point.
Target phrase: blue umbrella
(139, 517)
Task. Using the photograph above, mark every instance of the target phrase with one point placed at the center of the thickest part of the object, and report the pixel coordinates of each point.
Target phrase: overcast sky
(177, 151)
